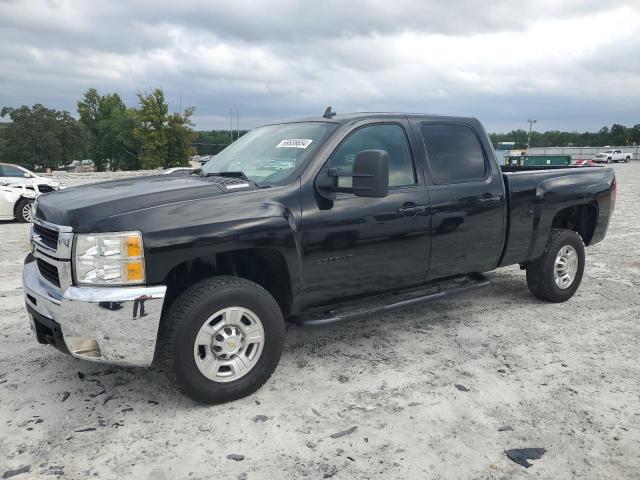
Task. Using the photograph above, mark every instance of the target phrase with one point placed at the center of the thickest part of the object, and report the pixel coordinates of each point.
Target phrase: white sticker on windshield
(295, 143)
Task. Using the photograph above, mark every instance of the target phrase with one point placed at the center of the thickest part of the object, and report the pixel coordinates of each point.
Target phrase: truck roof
(341, 118)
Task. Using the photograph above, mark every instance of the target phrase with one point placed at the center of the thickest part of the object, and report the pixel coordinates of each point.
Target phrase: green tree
(166, 138)
(180, 138)
(41, 137)
(111, 126)
(213, 141)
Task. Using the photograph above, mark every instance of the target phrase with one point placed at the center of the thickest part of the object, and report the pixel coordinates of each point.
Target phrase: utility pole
(531, 122)
(231, 123)
(238, 124)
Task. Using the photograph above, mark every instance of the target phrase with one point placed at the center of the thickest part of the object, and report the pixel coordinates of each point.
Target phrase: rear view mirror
(371, 174)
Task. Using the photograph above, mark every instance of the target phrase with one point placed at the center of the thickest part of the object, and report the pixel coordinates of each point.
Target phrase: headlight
(109, 258)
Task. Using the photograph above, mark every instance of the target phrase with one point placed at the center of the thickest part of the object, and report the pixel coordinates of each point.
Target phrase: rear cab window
(454, 153)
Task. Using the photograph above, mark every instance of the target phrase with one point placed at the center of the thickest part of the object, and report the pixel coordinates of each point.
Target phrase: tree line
(617, 135)
(118, 137)
(113, 135)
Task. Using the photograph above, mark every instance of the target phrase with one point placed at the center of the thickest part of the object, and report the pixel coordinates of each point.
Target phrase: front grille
(49, 272)
(47, 236)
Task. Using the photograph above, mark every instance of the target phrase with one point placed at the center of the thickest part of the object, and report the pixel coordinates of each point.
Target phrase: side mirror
(26, 175)
(371, 174)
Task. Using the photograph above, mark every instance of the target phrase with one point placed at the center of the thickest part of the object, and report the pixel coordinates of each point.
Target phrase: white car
(16, 201)
(612, 156)
(14, 174)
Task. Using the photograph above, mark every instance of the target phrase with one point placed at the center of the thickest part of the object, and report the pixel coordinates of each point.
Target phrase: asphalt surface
(436, 391)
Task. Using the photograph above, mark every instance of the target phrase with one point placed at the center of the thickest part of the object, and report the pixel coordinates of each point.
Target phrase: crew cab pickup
(609, 156)
(311, 221)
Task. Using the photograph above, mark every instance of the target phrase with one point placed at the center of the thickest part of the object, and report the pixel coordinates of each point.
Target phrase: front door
(353, 246)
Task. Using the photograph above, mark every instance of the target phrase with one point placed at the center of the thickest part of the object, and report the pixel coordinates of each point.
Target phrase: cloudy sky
(572, 64)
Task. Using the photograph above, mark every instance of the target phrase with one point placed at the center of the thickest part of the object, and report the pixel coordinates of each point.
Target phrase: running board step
(392, 301)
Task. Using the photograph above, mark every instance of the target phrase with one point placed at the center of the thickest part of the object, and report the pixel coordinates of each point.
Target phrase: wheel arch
(579, 218)
(265, 266)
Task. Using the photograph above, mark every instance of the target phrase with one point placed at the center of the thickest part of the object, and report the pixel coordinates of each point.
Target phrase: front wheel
(24, 210)
(556, 275)
(221, 339)
(609, 160)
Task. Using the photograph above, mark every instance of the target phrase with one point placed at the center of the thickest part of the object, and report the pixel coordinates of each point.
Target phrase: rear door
(353, 246)
(468, 205)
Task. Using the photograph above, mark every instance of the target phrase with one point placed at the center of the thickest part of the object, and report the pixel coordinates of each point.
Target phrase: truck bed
(529, 168)
(536, 195)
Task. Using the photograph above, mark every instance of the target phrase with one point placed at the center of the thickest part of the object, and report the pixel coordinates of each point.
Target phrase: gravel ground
(562, 377)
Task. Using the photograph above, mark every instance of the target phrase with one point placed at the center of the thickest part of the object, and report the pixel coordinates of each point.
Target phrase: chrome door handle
(410, 207)
(489, 200)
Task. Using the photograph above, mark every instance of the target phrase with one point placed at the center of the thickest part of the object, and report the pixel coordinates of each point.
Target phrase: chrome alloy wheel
(27, 212)
(229, 344)
(565, 267)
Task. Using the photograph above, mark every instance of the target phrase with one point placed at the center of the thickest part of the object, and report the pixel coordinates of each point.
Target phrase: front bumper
(104, 324)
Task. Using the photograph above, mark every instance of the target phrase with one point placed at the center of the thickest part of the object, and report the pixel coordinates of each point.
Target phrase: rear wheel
(556, 275)
(221, 339)
(24, 210)
(627, 159)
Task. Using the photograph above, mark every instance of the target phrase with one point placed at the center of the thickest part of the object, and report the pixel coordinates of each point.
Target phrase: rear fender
(558, 193)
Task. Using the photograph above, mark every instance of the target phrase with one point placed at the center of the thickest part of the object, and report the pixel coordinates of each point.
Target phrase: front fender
(182, 232)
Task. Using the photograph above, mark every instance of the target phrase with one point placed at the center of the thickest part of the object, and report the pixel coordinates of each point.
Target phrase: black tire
(540, 272)
(609, 160)
(627, 159)
(182, 321)
(19, 210)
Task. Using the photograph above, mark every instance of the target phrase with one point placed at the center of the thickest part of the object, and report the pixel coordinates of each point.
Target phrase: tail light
(614, 193)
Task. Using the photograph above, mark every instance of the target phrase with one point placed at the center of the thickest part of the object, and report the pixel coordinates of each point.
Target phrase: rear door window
(454, 152)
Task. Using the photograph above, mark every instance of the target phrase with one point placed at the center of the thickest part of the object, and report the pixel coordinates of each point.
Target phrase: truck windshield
(270, 155)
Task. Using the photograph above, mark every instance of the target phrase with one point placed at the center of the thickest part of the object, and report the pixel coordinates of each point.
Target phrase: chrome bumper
(103, 324)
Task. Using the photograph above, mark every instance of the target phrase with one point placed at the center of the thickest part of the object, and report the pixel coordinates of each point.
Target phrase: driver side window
(388, 137)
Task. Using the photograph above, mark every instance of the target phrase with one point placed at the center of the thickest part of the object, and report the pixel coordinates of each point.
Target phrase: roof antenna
(328, 113)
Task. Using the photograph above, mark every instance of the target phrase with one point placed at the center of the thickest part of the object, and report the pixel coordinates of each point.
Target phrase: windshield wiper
(231, 174)
(234, 174)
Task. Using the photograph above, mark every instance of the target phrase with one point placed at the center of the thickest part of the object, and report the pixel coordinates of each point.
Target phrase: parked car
(81, 166)
(314, 221)
(613, 156)
(584, 162)
(16, 201)
(15, 174)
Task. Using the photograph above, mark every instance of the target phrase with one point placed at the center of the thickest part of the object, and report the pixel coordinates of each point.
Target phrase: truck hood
(75, 206)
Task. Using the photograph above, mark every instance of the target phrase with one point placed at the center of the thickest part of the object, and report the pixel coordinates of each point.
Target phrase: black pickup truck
(313, 221)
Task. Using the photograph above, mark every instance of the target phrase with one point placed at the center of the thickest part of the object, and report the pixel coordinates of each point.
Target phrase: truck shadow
(121, 390)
